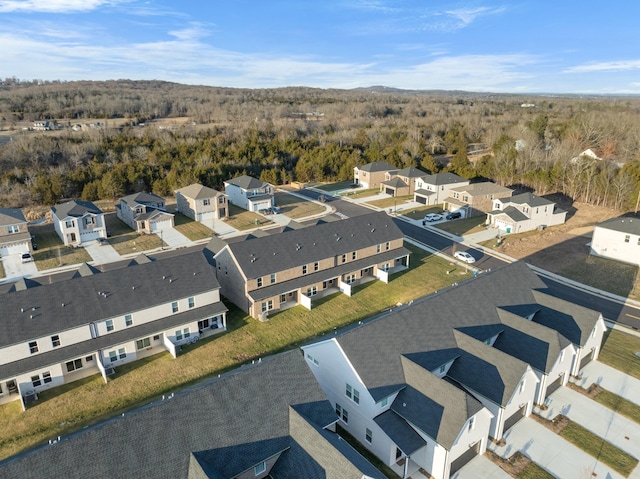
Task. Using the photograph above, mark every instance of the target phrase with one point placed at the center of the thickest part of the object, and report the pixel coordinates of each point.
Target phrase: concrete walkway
(600, 420)
(551, 452)
(173, 238)
(219, 227)
(612, 380)
(102, 254)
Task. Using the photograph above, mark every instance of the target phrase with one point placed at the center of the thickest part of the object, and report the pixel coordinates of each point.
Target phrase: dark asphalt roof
(443, 179)
(270, 254)
(623, 225)
(399, 431)
(142, 198)
(247, 182)
(75, 208)
(527, 199)
(222, 429)
(376, 166)
(512, 212)
(11, 216)
(197, 191)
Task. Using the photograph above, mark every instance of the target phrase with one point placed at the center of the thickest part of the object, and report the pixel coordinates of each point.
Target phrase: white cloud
(617, 66)
(54, 6)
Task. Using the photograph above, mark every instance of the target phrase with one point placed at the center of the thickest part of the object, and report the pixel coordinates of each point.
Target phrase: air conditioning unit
(109, 371)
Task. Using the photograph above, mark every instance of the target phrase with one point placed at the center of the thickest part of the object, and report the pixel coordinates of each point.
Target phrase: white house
(78, 222)
(14, 232)
(434, 189)
(618, 239)
(249, 193)
(524, 212)
(58, 332)
(144, 212)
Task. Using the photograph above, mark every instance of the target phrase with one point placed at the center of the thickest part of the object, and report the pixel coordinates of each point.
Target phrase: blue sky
(560, 46)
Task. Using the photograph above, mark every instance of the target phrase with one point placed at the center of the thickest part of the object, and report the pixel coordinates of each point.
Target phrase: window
(267, 306)
(316, 266)
(521, 386)
(89, 220)
(312, 291)
(122, 353)
(179, 335)
(356, 396)
(338, 410)
(206, 202)
(283, 298)
(33, 347)
(109, 323)
(191, 302)
(344, 258)
(304, 269)
(128, 320)
(627, 238)
(349, 391)
(143, 343)
(204, 324)
(385, 267)
(378, 248)
(35, 380)
(46, 377)
(259, 282)
(13, 229)
(55, 341)
(387, 245)
(368, 435)
(88, 358)
(73, 365)
(442, 368)
(69, 224)
(113, 356)
(384, 402)
(221, 199)
(351, 278)
(352, 394)
(174, 307)
(471, 423)
(354, 255)
(272, 278)
(260, 468)
(345, 416)
(186, 332)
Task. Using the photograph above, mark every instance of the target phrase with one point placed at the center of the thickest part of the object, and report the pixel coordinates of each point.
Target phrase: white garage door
(160, 225)
(501, 225)
(88, 236)
(14, 249)
(206, 216)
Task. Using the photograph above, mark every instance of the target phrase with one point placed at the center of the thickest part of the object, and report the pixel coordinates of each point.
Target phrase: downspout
(406, 468)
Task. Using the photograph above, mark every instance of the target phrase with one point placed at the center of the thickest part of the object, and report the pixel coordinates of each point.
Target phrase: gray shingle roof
(443, 179)
(527, 199)
(395, 183)
(246, 182)
(133, 288)
(403, 435)
(376, 166)
(512, 212)
(142, 198)
(225, 427)
(623, 225)
(483, 188)
(11, 216)
(263, 256)
(75, 208)
(409, 172)
(197, 191)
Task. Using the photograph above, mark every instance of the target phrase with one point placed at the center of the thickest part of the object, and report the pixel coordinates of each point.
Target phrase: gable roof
(443, 179)
(218, 429)
(197, 191)
(512, 212)
(376, 166)
(395, 183)
(409, 172)
(527, 199)
(11, 216)
(293, 248)
(142, 198)
(77, 301)
(483, 188)
(75, 208)
(246, 182)
(622, 225)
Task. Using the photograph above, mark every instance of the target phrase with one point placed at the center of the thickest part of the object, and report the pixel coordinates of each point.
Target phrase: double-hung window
(174, 307)
(128, 320)
(33, 347)
(191, 302)
(109, 324)
(55, 341)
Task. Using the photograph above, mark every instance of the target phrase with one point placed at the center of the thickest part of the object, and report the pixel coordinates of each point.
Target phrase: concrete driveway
(481, 467)
(610, 379)
(102, 254)
(14, 268)
(173, 238)
(551, 452)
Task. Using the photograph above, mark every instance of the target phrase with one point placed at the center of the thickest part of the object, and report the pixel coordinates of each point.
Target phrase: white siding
(611, 244)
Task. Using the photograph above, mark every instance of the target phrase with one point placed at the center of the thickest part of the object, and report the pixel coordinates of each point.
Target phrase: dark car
(454, 216)
(102, 241)
(354, 185)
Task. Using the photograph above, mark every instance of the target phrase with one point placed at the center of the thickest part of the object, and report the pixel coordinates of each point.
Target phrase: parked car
(454, 216)
(431, 217)
(354, 185)
(102, 241)
(464, 256)
(26, 257)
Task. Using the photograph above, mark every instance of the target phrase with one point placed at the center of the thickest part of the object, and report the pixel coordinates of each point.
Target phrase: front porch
(407, 469)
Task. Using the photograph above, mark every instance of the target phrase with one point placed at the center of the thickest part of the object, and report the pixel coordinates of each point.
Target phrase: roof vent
(33, 309)
(298, 246)
(164, 277)
(31, 316)
(170, 280)
(372, 230)
(63, 305)
(22, 310)
(133, 287)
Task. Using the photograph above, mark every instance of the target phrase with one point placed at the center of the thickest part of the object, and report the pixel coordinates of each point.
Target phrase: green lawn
(243, 220)
(124, 240)
(462, 226)
(72, 406)
(296, 207)
(2, 273)
(619, 405)
(606, 274)
(533, 471)
(340, 185)
(599, 448)
(390, 202)
(191, 229)
(619, 351)
(360, 193)
(52, 252)
(420, 212)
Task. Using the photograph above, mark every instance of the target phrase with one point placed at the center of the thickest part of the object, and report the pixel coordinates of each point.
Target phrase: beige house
(434, 189)
(270, 273)
(371, 175)
(401, 182)
(144, 213)
(201, 203)
(14, 233)
(475, 199)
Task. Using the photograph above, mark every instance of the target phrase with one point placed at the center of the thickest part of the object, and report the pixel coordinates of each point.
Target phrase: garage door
(14, 249)
(503, 226)
(464, 458)
(206, 216)
(514, 418)
(555, 385)
(160, 225)
(389, 191)
(89, 236)
(586, 360)
(421, 199)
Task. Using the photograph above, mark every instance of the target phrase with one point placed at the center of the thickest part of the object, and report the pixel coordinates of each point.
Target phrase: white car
(464, 256)
(431, 217)
(26, 257)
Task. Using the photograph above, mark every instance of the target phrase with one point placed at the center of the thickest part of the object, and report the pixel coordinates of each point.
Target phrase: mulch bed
(512, 466)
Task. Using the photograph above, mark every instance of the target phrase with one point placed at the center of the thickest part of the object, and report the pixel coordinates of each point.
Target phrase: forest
(113, 138)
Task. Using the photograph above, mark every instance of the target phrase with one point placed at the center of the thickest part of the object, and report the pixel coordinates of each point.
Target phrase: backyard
(125, 241)
(245, 220)
(52, 252)
(190, 228)
(295, 207)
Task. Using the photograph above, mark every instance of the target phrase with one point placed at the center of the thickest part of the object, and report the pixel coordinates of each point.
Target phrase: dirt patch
(513, 466)
(557, 424)
(591, 392)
